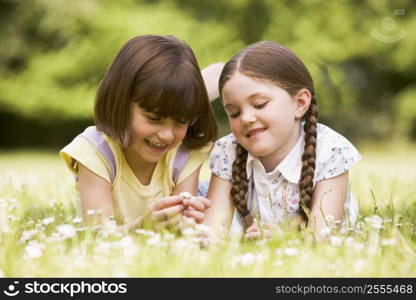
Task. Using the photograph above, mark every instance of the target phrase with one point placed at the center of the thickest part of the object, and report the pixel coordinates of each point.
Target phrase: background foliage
(54, 53)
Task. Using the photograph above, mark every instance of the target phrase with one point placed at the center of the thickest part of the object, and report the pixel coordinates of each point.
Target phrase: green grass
(35, 186)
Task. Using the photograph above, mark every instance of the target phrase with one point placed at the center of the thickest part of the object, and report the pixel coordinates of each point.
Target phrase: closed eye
(233, 115)
(260, 106)
(154, 118)
(188, 123)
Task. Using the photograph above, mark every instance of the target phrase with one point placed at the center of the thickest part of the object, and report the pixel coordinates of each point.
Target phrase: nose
(166, 135)
(248, 117)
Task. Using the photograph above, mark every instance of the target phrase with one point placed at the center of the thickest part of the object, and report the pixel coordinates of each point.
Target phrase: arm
(95, 193)
(190, 184)
(211, 75)
(328, 200)
(219, 215)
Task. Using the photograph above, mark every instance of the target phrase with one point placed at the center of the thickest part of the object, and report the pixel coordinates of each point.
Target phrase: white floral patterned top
(274, 196)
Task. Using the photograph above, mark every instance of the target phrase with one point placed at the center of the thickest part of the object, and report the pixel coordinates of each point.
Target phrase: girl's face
(264, 118)
(151, 136)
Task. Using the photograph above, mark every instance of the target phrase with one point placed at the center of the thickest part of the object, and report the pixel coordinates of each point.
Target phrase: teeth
(252, 133)
(156, 145)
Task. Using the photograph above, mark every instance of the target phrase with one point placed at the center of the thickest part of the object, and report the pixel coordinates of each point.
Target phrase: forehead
(241, 87)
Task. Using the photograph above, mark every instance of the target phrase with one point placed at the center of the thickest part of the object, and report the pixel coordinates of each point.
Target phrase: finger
(198, 216)
(166, 202)
(186, 211)
(186, 222)
(195, 203)
(253, 235)
(168, 224)
(167, 213)
(183, 223)
(174, 221)
(204, 200)
(252, 228)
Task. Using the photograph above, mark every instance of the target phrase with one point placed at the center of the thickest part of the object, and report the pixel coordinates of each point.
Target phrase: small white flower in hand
(185, 195)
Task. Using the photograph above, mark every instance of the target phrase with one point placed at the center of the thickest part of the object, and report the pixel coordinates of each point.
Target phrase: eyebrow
(252, 96)
(256, 95)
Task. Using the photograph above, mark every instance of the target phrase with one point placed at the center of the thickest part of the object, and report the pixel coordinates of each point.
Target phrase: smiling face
(264, 118)
(151, 136)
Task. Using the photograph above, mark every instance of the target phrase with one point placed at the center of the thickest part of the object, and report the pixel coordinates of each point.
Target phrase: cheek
(234, 124)
(142, 130)
(180, 133)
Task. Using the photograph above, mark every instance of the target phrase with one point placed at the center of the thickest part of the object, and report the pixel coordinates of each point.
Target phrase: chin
(259, 152)
(153, 160)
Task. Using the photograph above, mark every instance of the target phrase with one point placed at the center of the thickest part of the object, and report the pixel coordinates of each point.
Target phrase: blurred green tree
(360, 53)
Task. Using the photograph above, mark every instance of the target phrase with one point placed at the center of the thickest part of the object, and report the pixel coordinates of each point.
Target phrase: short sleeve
(80, 150)
(195, 160)
(222, 157)
(335, 154)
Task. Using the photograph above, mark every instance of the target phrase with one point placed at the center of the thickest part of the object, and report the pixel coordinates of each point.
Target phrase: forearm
(328, 203)
(218, 224)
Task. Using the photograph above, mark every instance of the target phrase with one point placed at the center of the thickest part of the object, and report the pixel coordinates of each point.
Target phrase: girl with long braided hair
(279, 162)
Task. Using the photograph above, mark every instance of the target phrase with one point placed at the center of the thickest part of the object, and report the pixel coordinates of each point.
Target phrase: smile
(156, 146)
(255, 132)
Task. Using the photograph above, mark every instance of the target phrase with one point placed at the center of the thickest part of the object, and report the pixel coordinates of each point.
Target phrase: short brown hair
(160, 74)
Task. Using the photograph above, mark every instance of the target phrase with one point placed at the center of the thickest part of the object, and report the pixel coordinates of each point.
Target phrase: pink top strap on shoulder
(97, 139)
(179, 162)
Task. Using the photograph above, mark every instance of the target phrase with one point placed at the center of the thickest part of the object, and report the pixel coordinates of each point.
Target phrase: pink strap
(181, 157)
(97, 139)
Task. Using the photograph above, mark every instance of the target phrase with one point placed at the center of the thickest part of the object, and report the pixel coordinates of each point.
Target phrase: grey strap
(179, 162)
(97, 139)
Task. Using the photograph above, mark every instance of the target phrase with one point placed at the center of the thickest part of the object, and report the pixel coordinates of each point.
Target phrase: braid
(308, 158)
(240, 185)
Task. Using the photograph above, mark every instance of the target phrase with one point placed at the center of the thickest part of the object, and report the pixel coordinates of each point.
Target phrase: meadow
(41, 235)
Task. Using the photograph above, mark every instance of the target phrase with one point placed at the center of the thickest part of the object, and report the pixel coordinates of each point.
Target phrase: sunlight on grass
(40, 232)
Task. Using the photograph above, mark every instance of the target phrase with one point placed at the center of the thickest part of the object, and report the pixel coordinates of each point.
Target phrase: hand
(211, 75)
(263, 230)
(165, 212)
(195, 208)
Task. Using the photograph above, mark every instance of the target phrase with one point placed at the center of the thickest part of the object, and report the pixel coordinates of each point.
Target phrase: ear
(302, 102)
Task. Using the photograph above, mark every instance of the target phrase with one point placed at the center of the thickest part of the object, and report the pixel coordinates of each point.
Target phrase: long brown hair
(274, 63)
(161, 75)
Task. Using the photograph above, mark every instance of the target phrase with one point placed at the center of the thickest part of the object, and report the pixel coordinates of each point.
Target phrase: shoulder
(181, 162)
(329, 142)
(91, 140)
(327, 136)
(222, 156)
(85, 150)
(227, 142)
(179, 152)
(334, 153)
(78, 146)
(224, 148)
(205, 150)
